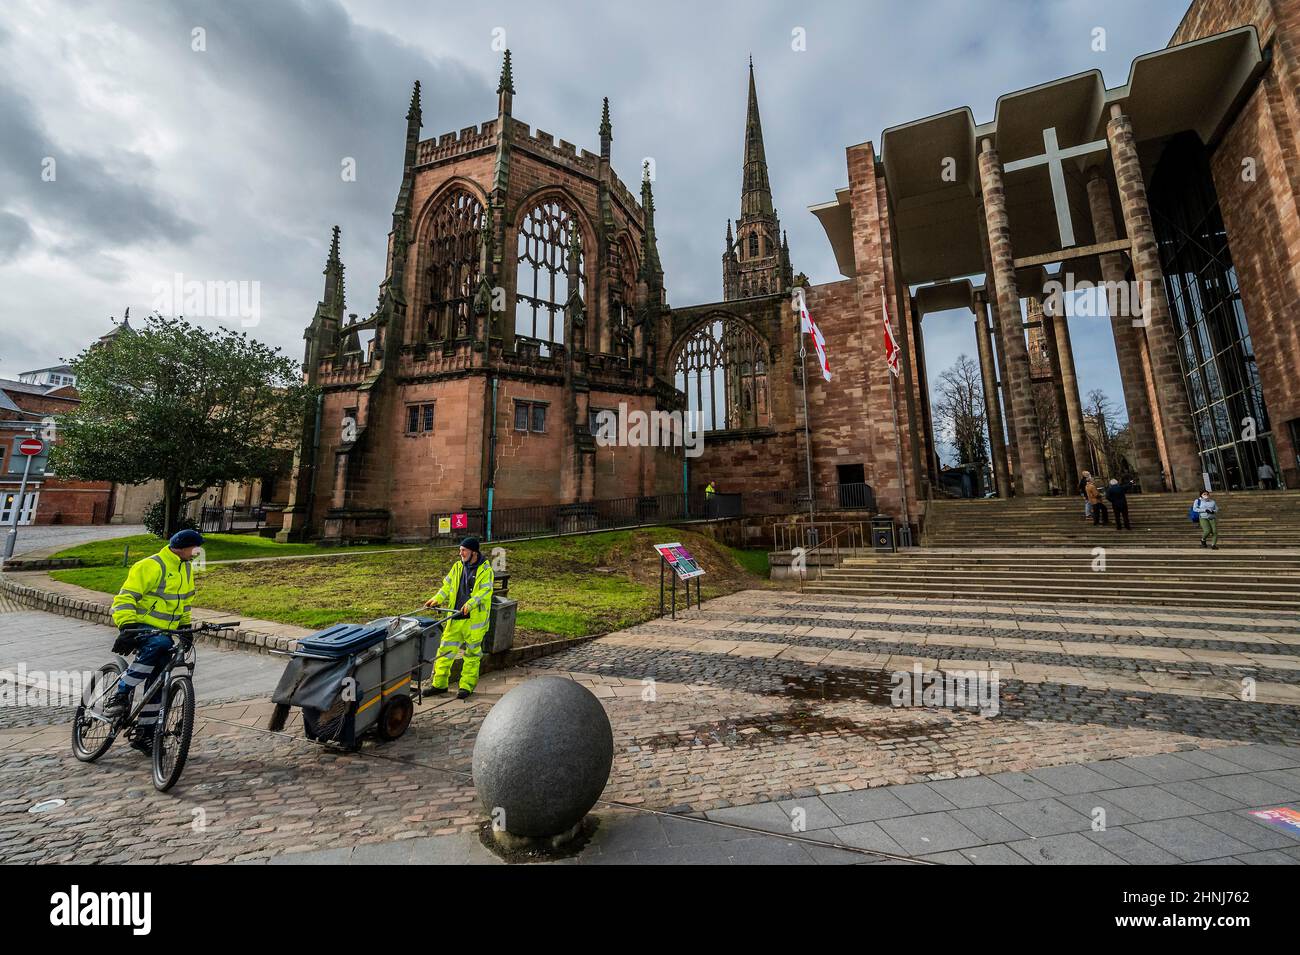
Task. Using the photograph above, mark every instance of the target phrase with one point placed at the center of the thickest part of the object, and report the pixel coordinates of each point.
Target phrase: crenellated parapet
(454, 145)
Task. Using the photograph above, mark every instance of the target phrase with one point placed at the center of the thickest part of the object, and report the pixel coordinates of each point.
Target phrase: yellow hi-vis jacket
(158, 592)
(480, 597)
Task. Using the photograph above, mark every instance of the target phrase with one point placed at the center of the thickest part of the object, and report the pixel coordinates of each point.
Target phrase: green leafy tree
(191, 407)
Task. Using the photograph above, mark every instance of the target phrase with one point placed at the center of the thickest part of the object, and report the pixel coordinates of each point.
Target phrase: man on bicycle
(157, 596)
(467, 588)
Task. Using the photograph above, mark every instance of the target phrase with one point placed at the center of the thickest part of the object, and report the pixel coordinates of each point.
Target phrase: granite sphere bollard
(542, 759)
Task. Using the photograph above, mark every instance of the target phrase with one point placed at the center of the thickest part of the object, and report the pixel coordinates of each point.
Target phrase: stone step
(1076, 595)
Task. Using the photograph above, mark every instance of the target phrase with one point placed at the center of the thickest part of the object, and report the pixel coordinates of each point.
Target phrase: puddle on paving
(870, 685)
(762, 728)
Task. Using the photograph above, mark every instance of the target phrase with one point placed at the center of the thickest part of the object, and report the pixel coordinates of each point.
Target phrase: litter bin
(501, 625)
(882, 535)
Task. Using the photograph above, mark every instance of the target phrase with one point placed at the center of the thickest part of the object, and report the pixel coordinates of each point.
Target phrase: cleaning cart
(349, 679)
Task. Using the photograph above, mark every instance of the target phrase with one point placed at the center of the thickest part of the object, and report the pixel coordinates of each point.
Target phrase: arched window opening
(722, 369)
(543, 281)
(452, 275)
(753, 245)
(621, 295)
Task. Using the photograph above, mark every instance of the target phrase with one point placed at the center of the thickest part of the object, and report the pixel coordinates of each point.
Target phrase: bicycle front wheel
(92, 734)
(171, 742)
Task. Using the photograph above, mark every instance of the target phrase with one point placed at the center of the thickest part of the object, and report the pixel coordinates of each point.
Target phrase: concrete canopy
(933, 179)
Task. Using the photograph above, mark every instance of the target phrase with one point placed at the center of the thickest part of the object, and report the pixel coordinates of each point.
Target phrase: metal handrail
(850, 528)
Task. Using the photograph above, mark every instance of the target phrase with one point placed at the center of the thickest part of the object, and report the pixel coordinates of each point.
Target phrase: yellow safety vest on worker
(465, 635)
(158, 592)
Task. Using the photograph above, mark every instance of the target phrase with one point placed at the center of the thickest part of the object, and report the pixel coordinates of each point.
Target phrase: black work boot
(463, 694)
(435, 691)
(143, 742)
(117, 706)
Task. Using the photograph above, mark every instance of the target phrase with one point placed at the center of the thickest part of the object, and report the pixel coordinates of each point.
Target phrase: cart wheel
(395, 717)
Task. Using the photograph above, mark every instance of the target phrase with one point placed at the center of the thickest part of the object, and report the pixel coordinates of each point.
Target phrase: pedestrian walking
(1097, 500)
(1267, 477)
(1205, 510)
(1083, 493)
(1117, 495)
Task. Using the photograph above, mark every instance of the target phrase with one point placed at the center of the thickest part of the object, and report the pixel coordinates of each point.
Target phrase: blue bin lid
(343, 639)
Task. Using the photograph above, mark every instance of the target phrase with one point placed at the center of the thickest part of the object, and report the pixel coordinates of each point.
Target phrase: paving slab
(974, 791)
(929, 832)
(1190, 840)
(1070, 848)
(1073, 779)
(1044, 817)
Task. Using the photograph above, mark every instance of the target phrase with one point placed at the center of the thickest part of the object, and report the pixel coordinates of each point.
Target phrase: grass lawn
(108, 553)
(566, 586)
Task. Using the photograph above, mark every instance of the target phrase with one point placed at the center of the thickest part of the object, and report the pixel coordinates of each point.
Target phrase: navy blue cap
(186, 538)
(470, 543)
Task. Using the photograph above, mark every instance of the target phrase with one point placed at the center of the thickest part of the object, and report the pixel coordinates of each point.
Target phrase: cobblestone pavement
(765, 703)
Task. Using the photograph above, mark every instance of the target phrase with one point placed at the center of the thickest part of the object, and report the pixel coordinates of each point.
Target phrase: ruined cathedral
(523, 295)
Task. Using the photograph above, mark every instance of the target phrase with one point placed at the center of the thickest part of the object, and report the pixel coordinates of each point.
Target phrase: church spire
(756, 196)
(606, 130)
(334, 295)
(505, 87)
(651, 270)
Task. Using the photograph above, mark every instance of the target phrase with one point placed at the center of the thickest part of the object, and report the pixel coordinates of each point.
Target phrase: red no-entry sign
(31, 446)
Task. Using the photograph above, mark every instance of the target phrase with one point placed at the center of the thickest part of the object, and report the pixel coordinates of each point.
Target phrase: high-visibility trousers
(458, 636)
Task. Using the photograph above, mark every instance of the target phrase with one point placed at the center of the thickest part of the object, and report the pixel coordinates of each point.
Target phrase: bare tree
(959, 413)
(1112, 437)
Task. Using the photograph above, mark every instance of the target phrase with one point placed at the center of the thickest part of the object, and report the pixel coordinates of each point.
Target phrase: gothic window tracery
(452, 274)
(621, 299)
(753, 245)
(722, 369)
(543, 281)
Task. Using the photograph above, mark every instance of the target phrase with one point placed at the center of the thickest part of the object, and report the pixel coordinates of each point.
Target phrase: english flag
(891, 343)
(808, 325)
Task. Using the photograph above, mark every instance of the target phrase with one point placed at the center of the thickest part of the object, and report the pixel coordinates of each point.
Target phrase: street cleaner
(467, 588)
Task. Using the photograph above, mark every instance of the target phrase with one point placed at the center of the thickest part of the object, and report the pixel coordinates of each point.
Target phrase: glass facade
(1214, 346)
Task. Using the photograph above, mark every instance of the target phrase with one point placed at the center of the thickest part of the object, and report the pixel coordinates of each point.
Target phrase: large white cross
(1054, 158)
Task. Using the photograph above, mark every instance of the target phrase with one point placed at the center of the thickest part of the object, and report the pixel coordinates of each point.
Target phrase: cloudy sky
(222, 163)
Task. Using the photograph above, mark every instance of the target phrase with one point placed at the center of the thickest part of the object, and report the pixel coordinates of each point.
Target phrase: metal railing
(823, 540)
(543, 520)
(228, 520)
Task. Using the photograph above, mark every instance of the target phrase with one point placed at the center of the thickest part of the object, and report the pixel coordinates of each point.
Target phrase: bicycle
(93, 732)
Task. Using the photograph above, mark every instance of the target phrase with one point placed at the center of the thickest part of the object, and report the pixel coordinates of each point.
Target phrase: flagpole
(898, 438)
(807, 432)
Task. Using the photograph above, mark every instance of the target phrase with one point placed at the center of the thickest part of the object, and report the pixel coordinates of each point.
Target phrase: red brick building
(524, 294)
(1173, 197)
(49, 499)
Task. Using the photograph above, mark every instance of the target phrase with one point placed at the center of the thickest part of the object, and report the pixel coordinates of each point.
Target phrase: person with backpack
(1205, 511)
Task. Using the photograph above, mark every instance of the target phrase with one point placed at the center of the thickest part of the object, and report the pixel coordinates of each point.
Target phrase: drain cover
(47, 805)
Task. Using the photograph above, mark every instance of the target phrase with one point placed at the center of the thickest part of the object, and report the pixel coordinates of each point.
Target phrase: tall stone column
(1042, 335)
(1129, 341)
(1008, 413)
(1058, 332)
(1162, 340)
(1033, 466)
(992, 406)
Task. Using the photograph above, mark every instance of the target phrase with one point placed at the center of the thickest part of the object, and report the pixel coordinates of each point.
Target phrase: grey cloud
(15, 234)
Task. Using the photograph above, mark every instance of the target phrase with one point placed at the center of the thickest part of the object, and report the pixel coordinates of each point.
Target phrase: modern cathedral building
(524, 295)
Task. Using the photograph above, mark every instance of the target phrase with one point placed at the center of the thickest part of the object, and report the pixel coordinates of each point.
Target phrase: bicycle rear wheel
(91, 734)
(171, 741)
